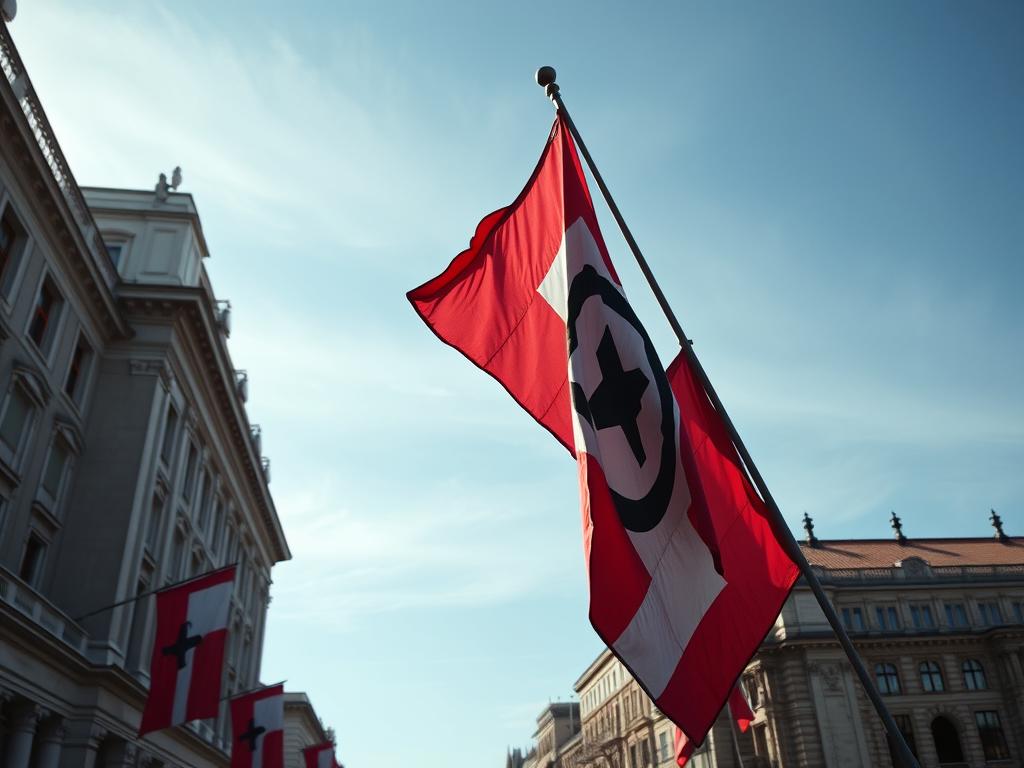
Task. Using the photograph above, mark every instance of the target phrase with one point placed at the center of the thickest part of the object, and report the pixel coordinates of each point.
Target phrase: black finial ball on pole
(545, 76)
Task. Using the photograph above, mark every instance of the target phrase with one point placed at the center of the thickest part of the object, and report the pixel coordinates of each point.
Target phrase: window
(645, 751)
(15, 420)
(114, 252)
(991, 614)
(931, 677)
(990, 731)
(887, 679)
(218, 524)
(1018, 611)
(888, 617)
(664, 750)
(74, 384)
(921, 615)
(205, 500)
(45, 314)
(956, 616)
(853, 619)
(974, 675)
(179, 556)
(632, 756)
(12, 244)
(906, 728)
(170, 430)
(156, 513)
(190, 471)
(53, 474)
(32, 559)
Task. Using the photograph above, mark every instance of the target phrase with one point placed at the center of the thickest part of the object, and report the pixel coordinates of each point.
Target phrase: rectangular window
(645, 752)
(664, 751)
(74, 384)
(156, 514)
(218, 524)
(56, 462)
(990, 731)
(888, 617)
(190, 471)
(853, 619)
(15, 420)
(170, 430)
(32, 560)
(114, 252)
(632, 756)
(1018, 611)
(956, 616)
(991, 614)
(205, 500)
(922, 616)
(12, 245)
(906, 727)
(45, 315)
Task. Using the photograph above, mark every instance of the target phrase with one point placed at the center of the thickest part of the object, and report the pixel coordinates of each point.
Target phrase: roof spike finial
(897, 526)
(812, 540)
(997, 523)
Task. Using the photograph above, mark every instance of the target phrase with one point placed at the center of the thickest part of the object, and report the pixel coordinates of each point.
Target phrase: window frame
(55, 316)
(1002, 749)
(13, 270)
(52, 501)
(888, 672)
(957, 610)
(26, 384)
(990, 613)
(929, 670)
(84, 377)
(848, 613)
(972, 670)
(39, 565)
(917, 612)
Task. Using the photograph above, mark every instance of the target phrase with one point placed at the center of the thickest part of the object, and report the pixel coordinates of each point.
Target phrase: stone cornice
(195, 307)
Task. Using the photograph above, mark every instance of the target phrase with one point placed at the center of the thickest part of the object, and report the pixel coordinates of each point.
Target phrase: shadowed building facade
(127, 460)
(939, 624)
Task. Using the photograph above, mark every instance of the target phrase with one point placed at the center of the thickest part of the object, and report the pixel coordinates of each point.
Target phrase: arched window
(886, 678)
(931, 677)
(947, 741)
(974, 675)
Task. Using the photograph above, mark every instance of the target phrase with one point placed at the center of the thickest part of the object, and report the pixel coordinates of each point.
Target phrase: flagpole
(546, 79)
(735, 739)
(141, 595)
(260, 687)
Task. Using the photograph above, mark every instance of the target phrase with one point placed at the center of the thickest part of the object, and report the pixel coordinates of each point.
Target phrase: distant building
(302, 728)
(127, 460)
(940, 626)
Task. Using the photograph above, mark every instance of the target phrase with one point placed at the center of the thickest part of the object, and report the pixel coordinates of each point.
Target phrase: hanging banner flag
(257, 728)
(188, 652)
(739, 710)
(686, 575)
(320, 756)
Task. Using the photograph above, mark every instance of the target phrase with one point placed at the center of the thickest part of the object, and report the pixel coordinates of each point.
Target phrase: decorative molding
(151, 367)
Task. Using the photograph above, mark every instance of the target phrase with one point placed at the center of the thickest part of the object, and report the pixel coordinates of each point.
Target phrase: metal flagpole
(246, 692)
(546, 79)
(735, 739)
(149, 592)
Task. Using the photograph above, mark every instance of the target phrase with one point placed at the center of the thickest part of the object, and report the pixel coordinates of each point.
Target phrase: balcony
(25, 600)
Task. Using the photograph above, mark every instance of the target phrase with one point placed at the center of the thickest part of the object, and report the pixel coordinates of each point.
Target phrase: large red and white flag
(257, 729)
(188, 652)
(320, 756)
(739, 710)
(686, 575)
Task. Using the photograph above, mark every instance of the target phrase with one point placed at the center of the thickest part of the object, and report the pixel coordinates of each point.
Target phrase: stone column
(81, 743)
(21, 731)
(51, 739)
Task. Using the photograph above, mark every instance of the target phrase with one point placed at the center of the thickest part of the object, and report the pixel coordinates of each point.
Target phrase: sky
(832, 197)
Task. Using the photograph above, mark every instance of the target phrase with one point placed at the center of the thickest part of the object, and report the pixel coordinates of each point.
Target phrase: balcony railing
(15, 73)
(27, 601)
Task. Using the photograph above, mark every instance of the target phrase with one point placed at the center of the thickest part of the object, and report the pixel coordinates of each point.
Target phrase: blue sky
(832, 197)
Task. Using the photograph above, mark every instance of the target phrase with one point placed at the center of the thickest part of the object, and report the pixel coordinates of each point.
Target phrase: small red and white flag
(188, 652)
(686, 575)
(320, 756)
(739, 710)
(257, 728)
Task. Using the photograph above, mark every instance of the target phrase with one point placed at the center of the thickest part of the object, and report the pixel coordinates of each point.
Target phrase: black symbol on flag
(616, 400)
(251, 735)
(183, 644)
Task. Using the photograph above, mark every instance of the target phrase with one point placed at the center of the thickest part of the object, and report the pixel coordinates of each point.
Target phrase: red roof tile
(884, 553)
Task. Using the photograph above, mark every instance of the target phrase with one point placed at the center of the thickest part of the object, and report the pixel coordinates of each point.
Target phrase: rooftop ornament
(997, 523)
(812, 540)
(897, 526)
(163, 188)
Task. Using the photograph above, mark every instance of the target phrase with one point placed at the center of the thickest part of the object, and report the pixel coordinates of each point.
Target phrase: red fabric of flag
(739, 710)
(685, 575)
(320, 756)
(257, 729)
(188, 651)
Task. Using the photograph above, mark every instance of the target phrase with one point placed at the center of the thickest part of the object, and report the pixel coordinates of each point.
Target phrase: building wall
(131, 394)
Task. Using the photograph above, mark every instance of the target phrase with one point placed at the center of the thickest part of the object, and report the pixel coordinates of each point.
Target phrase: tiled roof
(884, 553)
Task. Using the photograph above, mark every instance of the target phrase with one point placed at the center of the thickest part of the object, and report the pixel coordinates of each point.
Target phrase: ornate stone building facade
(127, 460)
(940, 626)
